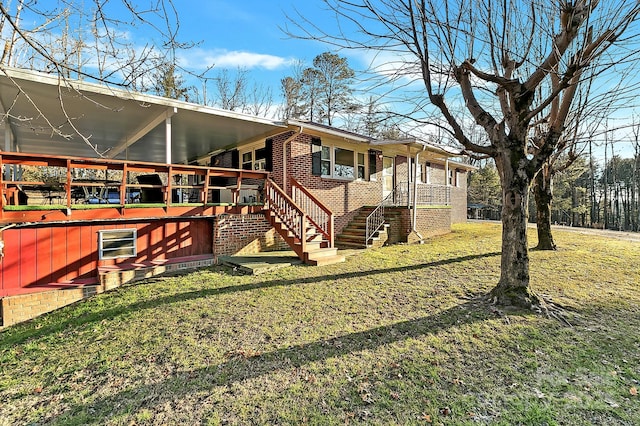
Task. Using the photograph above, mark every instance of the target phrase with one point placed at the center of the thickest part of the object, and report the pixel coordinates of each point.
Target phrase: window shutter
(373, 154)
(316, 157)
(235, 159)
(268, 147)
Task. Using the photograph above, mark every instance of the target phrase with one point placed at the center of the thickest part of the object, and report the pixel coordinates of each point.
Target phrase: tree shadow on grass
(240, 367)
(11, 337)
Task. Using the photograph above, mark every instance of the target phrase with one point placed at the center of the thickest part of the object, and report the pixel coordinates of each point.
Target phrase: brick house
(102, 186)
(351, 173)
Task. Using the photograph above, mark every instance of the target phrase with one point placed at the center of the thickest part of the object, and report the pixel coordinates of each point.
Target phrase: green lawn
(392, 336)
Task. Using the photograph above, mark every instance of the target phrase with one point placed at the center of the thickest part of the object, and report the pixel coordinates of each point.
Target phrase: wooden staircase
(353, 235)
(303, 222)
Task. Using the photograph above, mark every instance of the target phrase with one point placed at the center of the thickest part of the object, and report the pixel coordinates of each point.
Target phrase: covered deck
(47, 188)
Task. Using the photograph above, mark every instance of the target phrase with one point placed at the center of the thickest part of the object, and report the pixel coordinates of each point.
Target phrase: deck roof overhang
(44, 114)
(419, 145)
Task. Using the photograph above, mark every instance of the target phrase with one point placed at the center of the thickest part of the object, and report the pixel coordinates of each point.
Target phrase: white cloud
(222, 58)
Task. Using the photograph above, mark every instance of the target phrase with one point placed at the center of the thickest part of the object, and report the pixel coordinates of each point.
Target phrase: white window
(255, 159)
(451, 177)
(116, 243)
(342, 163)
(325, 161)
(361, 166)
(247, 160)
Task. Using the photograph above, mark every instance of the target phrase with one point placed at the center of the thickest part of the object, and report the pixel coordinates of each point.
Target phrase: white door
(387, 176)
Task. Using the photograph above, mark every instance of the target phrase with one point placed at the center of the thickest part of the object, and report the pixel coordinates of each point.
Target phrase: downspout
(284, 156)
(446, 178)
(408, 175)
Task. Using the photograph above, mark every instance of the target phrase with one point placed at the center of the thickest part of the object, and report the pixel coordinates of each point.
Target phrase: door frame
(385, 173)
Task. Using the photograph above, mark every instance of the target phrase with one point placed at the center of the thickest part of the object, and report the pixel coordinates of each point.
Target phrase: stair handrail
(375, 219)
(318, 214)
(287, 211)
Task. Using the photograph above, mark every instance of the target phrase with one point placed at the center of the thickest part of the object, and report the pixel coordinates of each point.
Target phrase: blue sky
(247, 34)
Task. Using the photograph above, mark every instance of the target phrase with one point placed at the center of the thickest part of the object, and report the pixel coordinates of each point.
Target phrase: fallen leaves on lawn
(446, 411)
(633, 391)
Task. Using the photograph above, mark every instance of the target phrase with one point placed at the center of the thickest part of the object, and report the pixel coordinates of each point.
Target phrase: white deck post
(167, 126)
(7, 147)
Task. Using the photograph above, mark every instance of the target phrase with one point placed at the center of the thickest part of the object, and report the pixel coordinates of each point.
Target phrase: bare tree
(232, 89)
(498, 65)
(259, 101)
(586, 121)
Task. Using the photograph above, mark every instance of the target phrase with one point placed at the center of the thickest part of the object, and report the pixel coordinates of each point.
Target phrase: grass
(392, 336)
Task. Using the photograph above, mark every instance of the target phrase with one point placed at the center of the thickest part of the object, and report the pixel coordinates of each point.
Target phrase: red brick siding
(344, 198)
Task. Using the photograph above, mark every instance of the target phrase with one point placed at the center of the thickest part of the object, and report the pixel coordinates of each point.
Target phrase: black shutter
(235, 159)
(268, 147)
(373, 155)
(316, 157)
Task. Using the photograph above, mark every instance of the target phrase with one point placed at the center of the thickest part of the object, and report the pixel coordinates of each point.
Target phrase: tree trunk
(513, 288)
(543, 196)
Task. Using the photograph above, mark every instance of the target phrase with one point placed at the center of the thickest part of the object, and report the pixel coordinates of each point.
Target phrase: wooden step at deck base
(324, 256)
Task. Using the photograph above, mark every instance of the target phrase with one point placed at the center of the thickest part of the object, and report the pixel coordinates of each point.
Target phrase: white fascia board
(79, 85)
(333, 131)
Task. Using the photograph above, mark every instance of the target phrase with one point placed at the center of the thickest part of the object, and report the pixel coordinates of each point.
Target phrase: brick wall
(23, 307)
(459, 204)
(430, 221)
(437, 174)
(401, 171)
(244, 234)
(343, 198)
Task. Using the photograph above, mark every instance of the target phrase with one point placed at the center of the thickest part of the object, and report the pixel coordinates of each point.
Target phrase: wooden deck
(38, 188)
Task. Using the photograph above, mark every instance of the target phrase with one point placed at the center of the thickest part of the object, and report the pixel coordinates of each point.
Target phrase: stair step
(350, 238)
(351, 245)
(321, 252)
(315, 238)
(356, 225)
(348, 231)
(328, 260)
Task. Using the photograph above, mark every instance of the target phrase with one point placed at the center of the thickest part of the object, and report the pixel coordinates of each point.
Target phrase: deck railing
(375, 219)
(319, 214)
(427, 194)
(41, 182)
(287, 211)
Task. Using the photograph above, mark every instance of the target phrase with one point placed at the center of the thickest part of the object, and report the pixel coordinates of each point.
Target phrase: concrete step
(321, 252)
(351, 245)
(350, 238)
(353, 231)
(327, 260)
